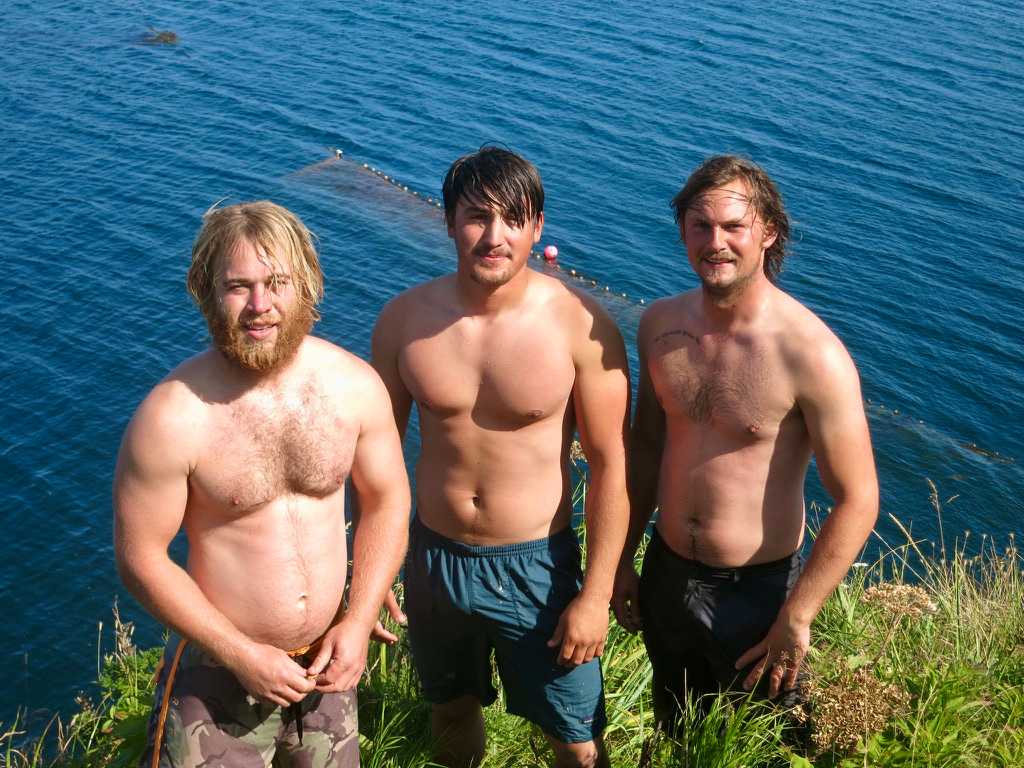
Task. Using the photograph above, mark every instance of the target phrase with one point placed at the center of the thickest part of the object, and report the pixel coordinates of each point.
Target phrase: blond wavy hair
(274, 231)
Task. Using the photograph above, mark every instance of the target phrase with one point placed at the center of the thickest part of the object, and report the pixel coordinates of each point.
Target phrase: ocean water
(894, 130)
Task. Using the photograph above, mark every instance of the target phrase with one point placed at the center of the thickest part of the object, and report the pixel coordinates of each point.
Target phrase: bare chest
(501, 380)
(262, 450)
(734, 386)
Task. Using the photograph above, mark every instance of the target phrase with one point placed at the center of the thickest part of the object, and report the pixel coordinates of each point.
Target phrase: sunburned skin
(739, 385)
(732, 472)
(495, 420)
(265, 513)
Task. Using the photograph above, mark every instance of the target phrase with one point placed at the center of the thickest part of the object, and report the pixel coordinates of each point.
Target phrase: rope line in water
(572, 273)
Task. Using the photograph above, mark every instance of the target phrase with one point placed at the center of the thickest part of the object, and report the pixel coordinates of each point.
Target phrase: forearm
(378, 547)
(607, 519)
(167, 591)
(837, 545)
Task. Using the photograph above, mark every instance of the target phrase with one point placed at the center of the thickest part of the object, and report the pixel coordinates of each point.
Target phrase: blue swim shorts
(464, 601)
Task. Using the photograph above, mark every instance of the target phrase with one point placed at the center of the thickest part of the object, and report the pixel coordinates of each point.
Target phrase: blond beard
(255, 356)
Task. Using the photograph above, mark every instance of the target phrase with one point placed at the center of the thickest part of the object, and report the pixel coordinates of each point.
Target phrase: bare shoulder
(814, 353)
(665, 316)
(341, 371)
(574, 308)
(172, 418)
(431, 295)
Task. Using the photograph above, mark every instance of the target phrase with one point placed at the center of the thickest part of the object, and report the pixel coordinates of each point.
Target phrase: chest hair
(297, 444)
(725, 384)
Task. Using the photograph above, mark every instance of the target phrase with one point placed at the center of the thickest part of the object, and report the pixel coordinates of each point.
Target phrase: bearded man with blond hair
(248, 446)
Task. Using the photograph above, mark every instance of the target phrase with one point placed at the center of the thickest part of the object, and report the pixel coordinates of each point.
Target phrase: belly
(490, 488)
(277, 573)
(730, 503)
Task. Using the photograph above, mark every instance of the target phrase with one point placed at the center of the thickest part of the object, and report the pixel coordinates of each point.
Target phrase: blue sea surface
(894, 129)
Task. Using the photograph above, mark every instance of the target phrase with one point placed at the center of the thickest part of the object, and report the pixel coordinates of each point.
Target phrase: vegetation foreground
(918, 660)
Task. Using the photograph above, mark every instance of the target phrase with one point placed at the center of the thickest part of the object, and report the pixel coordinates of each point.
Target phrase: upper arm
(649, 422)
(386, 345)
(601, 390)
(830, 399)
(151, 478)
(378, 468)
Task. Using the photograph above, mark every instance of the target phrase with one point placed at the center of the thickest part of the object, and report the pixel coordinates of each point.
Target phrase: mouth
(717, 261)
(491, 257)
(258, 331)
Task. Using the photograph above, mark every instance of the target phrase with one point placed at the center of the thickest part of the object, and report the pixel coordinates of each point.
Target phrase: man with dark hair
(740, 385)
(504, 364)
(248, 446)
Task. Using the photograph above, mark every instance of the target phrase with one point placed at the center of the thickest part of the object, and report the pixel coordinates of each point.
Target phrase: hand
(581, 631)
(626, 598)
(379, 633)
(782, 652)
(270, 674)
(341, 659)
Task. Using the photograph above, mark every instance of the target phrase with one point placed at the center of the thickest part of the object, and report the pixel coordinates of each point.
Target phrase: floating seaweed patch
(160, 37)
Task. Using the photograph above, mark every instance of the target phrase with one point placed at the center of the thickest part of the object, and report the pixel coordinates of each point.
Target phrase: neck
(738, 307)
(250, 379)
(478, 299)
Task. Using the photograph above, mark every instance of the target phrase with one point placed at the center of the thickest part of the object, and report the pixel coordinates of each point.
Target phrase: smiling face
(725, 239)
(491, 250)
(259, 322)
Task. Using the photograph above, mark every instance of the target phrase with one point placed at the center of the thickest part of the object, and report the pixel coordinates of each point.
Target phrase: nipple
(753, 428)
(236, 501)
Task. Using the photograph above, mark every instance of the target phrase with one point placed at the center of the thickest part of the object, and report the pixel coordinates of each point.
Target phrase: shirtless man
(739, 385)
(504, 364)
(248, 446)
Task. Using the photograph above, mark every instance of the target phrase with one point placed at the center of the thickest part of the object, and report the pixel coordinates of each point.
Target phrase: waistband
(565, 537)
(737, 573)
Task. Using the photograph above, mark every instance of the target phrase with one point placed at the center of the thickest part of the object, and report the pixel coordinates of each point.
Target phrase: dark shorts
(465, 601)
(698, 620)
(211, 720)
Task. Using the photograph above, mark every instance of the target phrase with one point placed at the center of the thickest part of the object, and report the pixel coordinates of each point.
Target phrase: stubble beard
(257, 356)
(489, 277)
(730, 291)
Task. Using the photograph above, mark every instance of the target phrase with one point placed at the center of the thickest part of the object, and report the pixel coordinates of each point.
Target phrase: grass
(918, 660)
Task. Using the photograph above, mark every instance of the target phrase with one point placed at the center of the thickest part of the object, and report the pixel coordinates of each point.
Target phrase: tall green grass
(918, 660)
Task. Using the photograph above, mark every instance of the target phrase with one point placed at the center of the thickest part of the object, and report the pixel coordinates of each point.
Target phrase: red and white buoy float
(550, 253)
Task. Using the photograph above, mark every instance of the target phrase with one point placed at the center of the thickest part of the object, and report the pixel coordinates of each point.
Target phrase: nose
(717, 239)
(494, 231)
(259, 299)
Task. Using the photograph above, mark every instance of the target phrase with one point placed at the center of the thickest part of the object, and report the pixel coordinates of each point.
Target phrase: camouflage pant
(212, 722)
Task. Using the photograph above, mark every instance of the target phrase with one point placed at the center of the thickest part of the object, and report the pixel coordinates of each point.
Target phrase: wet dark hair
(718, 171)
(498, 178)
